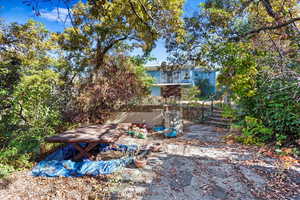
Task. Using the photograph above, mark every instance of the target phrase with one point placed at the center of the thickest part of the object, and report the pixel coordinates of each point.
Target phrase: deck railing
(174, 77)
(174, 80)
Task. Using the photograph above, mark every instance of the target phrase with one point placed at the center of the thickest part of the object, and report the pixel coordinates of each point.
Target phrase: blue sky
(16, 11)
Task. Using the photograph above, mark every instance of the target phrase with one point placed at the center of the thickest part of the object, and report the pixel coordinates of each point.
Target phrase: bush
(229, 112)
(275, 106)
(191, 93)
(117, 83)
(33, 114)
(255, 128)
(248, 140)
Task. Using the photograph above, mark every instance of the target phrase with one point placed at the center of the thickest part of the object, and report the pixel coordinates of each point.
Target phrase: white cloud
(59, 14)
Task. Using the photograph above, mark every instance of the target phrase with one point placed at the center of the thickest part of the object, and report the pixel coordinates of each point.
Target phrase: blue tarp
(171, 132)
(158, 128)
(59, 163)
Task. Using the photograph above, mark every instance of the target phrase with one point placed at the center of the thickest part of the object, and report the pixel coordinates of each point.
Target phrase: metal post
(202, 112)
(212, 106)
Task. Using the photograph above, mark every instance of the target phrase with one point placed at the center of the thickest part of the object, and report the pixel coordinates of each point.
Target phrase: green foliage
(29, 93)
(271, 100)
(250, 132)
(259, 69)
(140, 72)
(34, 114)
(101, 28)
(240, 69)
(191, 94)
(248, 140)
(5, 170)
(35, 99)
(229, 112)
(49, 79)
(244, 134)
(255, 128)
(205, 87)
(275, 104)
(26, 44)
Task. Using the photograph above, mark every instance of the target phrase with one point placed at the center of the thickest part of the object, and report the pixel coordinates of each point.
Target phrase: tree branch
(21, 113)
(269, 9)
(113, 43)
(271, 27)
(145, 10)
(244, 6)
(137, 15)
(295, 25)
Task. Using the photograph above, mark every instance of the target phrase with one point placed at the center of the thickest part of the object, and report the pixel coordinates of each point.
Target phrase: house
(181, 77)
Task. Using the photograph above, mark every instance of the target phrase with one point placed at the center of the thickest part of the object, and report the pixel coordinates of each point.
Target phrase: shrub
(116, 84)
(248, 140)
(34, 113)
(229, 112)
(276, 106)
(255, 128)
(191, 93)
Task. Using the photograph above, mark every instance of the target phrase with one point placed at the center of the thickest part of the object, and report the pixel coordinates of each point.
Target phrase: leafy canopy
(102, 27)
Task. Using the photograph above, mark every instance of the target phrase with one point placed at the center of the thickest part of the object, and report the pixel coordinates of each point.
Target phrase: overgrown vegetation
(255, 46)
(30, 107)
(191, 94)
(53, 81)
(206, 89)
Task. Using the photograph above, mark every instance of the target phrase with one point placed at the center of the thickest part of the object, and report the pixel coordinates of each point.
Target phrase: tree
(103, 31)
(255, 45)
(29, 92)
(101, 27)
(222, 22)
(28, 43)
(119, 82)
(24, 51)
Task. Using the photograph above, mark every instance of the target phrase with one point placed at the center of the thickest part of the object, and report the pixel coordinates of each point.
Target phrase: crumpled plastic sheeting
(59, 163)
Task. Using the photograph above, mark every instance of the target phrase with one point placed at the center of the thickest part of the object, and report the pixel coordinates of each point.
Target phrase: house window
(186, 76)
(169, 77)
(176, 75)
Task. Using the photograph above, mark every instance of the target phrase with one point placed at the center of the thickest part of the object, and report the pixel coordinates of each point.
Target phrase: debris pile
(139, 130)
(60, 163)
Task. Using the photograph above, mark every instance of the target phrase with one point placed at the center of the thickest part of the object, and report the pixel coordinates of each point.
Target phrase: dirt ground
(198, 165)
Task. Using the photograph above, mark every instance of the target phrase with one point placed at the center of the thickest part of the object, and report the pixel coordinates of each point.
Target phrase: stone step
(217, 111)
(219, 119)
(217, 114)
(217, 124)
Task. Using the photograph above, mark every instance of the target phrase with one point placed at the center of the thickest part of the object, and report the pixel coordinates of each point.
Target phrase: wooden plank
(95, 133)
(150, 118)
(84, 151)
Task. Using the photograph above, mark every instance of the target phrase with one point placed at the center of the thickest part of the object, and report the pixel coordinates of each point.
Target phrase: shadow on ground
(208, 172)
(198, 165)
